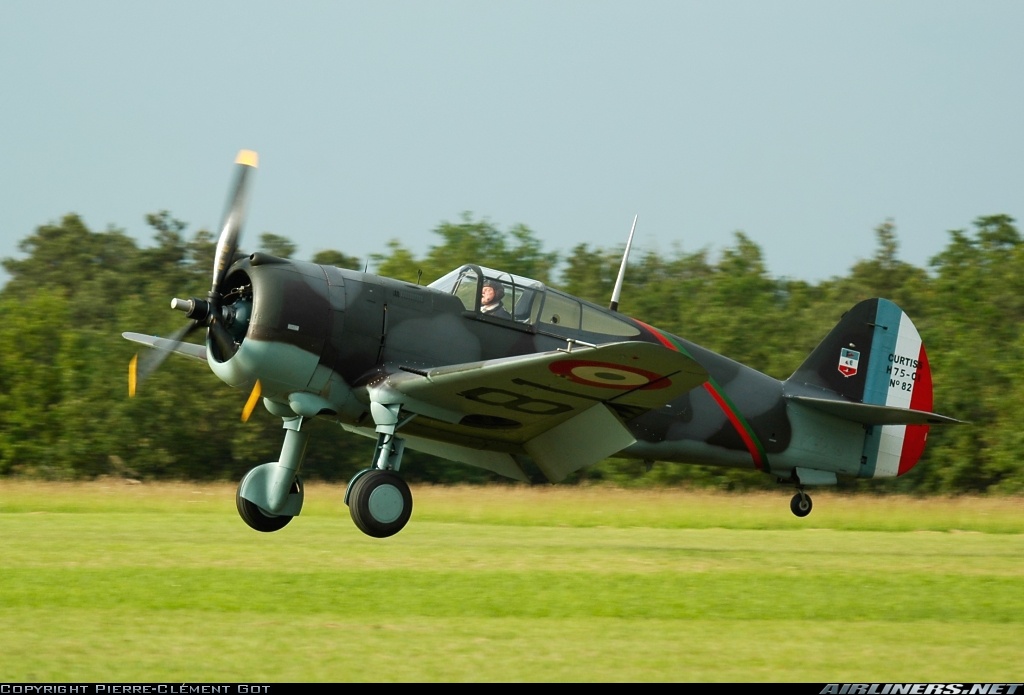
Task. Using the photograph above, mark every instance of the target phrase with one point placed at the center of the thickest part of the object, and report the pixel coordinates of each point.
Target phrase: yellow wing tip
(248, 158)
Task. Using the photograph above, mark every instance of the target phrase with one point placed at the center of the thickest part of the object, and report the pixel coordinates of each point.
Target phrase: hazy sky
(805, 124)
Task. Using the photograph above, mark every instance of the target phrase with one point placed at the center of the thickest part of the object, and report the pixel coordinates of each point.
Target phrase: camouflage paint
(729, 409)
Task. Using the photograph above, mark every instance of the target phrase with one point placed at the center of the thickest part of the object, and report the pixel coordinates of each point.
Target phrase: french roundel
(608, 375)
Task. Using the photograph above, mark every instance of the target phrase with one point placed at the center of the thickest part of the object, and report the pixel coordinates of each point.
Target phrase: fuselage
(317, 336)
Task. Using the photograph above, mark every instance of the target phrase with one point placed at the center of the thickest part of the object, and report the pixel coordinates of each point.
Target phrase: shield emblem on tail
(848, 361)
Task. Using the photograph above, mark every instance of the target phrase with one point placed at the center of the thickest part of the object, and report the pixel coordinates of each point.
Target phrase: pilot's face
(487, 295)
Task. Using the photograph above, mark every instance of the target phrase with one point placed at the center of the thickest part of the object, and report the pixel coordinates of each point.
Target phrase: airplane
(554, 385)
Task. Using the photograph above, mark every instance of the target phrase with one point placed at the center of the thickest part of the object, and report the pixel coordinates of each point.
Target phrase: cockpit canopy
(532, 303)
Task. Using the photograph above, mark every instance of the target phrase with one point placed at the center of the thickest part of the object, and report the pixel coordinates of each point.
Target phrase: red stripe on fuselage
(737, 424)
(712, 388)
(662, 338)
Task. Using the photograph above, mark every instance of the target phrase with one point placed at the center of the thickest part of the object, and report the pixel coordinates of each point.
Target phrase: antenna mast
(617, 292)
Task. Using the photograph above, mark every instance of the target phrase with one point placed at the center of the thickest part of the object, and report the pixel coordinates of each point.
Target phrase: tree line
(65, 413)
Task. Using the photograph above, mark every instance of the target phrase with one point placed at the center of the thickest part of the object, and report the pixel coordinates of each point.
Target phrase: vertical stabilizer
(873, 356)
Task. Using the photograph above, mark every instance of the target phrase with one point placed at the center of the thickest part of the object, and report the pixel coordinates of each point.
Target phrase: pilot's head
(492, 292)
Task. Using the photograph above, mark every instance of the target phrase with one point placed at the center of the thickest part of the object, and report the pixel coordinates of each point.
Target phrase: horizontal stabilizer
(196, 352)
(869, 414)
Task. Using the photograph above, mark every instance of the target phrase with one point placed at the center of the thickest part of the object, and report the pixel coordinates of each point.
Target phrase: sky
(805, 124)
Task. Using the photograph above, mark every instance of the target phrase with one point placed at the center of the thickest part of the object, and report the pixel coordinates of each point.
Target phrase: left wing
(563, 409)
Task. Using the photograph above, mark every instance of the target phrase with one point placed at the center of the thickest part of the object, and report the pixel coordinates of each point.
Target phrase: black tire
(380, 503)
(801, 504)
(256, 518)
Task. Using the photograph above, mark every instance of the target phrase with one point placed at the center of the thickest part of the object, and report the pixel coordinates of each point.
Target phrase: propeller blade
(250, 404)
(133, 374)
(222, 338)
(144, 364)
(234, 216)
(205, 313)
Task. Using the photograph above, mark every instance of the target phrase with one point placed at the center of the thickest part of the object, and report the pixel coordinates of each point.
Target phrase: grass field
(117, 582)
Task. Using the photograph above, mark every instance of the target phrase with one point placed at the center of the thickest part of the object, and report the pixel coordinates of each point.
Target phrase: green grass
(116, 582)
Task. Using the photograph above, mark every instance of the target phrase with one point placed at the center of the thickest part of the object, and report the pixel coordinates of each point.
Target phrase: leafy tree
(734, 311)
(401, 264)
(590, 274)
(885, 275)
(978, 304)
(277, 245)
(337, 259)
(33, 382)
(471, 241)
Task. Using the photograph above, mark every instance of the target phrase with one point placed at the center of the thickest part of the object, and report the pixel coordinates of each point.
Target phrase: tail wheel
(801, 504)
(380, 503)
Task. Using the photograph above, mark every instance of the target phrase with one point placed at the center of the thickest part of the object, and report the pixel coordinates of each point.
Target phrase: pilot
(490, 300)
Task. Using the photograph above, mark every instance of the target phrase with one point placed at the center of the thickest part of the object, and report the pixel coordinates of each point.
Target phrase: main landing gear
(270, 495)
(378, 498)
(380, 502)
(262, 520)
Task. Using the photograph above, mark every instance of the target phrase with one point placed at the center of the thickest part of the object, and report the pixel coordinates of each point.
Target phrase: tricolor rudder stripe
(899, 376)
(896, 359)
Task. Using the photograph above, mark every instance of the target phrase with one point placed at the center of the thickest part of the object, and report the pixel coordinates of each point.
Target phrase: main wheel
(256, 518)
(800, 504)
(380, 503)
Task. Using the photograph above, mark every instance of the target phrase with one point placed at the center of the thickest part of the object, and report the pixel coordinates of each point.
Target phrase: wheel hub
(385, 503)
